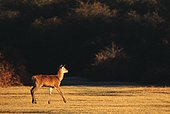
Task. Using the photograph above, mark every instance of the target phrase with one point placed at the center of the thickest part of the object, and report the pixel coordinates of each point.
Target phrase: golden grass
(88, 99)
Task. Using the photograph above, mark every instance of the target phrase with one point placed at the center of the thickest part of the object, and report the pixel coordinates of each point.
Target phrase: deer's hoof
(34, 102)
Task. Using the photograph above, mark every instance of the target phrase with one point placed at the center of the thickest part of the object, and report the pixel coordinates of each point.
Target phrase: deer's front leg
(59, 91)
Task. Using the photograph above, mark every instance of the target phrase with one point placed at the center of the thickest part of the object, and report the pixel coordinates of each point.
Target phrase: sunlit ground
(88, 99)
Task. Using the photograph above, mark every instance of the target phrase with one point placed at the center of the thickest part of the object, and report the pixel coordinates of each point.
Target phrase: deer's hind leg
(34, 88)
(50, 92)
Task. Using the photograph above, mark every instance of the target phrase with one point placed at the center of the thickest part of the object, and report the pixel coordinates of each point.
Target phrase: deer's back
(46, 80)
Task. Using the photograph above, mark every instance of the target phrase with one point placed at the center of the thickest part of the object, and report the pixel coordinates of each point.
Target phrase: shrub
(9, 14)
(41, 3)
(13, 70)
(45, 22)
(109, 64)
(108, 54)
(8, 76)
(153, 19)
(93, 10)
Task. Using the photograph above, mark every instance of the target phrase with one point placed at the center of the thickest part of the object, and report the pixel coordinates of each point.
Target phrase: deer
(51, 81)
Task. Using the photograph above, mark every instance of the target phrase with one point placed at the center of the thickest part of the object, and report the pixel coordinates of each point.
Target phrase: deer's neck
(60, 75)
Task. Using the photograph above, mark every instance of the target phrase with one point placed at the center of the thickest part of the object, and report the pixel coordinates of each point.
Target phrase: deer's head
(63, 69)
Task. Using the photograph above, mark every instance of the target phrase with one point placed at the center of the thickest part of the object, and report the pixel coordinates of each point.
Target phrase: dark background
(100, 40)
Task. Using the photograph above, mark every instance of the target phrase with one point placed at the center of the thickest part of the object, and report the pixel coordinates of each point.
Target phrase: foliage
(42, 2)
(8, 76)
(109, 63)
(153, 18)
(42, 29)
(9, 15)
(94, 9)
(12, 73)
(108, 54)
(50, 21)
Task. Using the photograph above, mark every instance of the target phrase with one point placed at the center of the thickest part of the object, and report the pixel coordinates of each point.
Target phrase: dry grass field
(88, 99)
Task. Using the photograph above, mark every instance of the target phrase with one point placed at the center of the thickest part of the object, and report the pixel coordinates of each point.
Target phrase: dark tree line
(121, 40)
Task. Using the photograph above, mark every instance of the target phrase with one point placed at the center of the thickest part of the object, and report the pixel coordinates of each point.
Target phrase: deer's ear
(64, 65)
(61, 65)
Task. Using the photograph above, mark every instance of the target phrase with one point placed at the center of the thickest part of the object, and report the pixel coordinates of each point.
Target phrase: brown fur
(46, 80)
